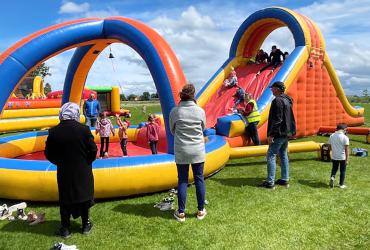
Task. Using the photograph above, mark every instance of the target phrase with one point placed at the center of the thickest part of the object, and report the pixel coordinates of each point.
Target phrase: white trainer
(201, 214)
(180, 217)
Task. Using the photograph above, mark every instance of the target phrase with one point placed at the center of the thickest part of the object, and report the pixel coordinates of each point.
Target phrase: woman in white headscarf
(71, 147)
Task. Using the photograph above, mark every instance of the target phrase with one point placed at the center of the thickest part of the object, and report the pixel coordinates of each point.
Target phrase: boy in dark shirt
(274, 59)
(261, 57)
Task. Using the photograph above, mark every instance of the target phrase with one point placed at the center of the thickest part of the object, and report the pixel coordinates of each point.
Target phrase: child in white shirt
(339, 144)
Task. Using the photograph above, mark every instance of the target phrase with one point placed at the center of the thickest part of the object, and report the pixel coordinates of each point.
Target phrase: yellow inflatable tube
(251, 151)
(19, 124)
(113, 177)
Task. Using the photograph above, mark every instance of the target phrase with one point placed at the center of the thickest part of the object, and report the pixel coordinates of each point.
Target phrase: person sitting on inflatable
(232, 80)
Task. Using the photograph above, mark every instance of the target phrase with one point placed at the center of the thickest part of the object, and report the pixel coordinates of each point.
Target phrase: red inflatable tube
(350, 130)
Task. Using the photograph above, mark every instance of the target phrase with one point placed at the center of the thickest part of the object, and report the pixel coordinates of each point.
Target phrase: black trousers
(334, 170)
(123, 144)
(75, 210)
(252, 132)
(153, 147)
(104, 142)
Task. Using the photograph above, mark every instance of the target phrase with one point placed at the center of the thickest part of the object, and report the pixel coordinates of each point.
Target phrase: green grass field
(308, 215)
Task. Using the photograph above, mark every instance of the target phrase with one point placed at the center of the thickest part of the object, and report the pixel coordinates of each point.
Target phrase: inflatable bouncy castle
(308, 74)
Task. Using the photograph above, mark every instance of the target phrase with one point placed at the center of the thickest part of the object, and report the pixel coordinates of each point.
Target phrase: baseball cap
(279, 85)
(341, 126)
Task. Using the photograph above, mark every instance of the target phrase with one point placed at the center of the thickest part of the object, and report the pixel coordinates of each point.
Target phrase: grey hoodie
(187, 122)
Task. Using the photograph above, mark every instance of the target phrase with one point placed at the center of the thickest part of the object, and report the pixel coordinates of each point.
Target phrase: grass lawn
(141, 110)
(308, 215)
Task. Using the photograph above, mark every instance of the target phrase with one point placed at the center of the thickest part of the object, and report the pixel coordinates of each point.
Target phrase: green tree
(41, 70)
(123, 97)
(47, 88)
(365, 96)
(145, 96)
(154, 95)
(365, 93)
(131, 97)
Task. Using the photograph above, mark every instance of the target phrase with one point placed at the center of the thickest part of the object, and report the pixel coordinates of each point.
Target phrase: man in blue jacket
(91, 110)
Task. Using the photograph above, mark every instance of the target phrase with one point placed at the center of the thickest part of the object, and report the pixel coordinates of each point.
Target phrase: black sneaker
(266, 184)
(282, 182)
(86, 229)
(64, 233)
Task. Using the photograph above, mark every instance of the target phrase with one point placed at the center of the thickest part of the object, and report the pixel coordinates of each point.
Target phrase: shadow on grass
(239, 182)
(313, 183)
(144, 210)
(47, 228)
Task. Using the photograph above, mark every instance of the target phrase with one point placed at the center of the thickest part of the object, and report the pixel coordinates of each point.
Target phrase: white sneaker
(342, 186)
(2, 208)
(201, 214)
(62, 246)
(4, 213)
(331, 182)
(180, 217)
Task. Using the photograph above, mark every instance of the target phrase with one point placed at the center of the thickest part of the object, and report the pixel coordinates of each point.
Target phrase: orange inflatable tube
(350, 130)
(33, 104)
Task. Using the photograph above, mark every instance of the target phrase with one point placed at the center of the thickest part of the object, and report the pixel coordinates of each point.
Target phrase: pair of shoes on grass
(332, 183)
(7, 212)
(65, 233)
(180, 217)
(166, 204)
(35, 219)
(269, 185)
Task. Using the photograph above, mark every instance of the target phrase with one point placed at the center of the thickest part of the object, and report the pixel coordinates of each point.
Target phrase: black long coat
(70, 145)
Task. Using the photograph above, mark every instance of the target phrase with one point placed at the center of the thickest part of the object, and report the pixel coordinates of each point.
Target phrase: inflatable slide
(308, 74)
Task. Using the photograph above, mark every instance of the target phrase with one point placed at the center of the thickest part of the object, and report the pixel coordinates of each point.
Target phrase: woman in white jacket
(187, 123)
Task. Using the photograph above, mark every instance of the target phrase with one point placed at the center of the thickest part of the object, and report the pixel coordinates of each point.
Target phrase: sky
(199, 32)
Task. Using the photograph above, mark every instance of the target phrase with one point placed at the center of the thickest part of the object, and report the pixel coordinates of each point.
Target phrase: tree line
(146, 96)
(43, 70)
(363, 98)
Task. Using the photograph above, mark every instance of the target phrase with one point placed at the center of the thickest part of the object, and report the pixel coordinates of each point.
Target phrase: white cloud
(73, 8)
(199, 44)
(345, 26)
(201, 36)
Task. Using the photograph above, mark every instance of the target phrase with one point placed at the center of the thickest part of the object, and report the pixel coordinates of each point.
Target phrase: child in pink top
(152, 133)
(103, 128)
(122, 133)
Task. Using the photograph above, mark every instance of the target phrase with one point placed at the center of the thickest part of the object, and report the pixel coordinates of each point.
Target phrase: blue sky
(200, 33)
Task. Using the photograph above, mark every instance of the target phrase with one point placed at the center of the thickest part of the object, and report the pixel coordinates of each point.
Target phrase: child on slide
(232, 80)
(103, 128)
(239, 96)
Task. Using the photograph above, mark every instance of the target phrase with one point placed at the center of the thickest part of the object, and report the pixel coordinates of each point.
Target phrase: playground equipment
(308, 74)
(316, 99)
(40, 111)
(109, 98)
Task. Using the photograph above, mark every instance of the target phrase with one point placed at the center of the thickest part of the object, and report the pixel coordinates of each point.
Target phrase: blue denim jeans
(183, 178)
(278, 146)
(90, 121)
